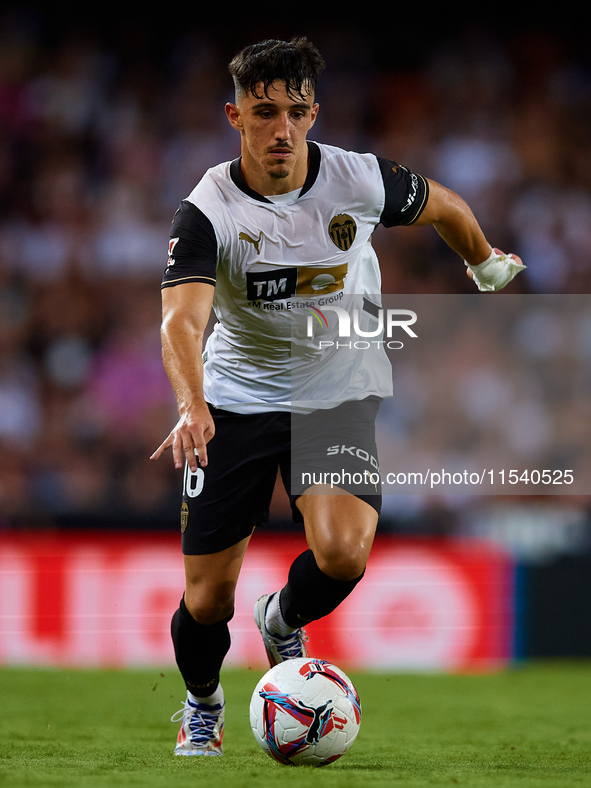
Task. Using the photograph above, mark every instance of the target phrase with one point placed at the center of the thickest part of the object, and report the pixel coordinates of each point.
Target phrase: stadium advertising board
(105, 600)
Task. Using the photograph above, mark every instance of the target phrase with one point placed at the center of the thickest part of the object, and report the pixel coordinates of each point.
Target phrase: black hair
(297, 63)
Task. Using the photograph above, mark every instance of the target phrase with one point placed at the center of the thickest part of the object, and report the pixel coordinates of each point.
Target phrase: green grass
(530, 726)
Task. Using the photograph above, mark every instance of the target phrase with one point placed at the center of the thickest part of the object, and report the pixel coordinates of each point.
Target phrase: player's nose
(282, 126)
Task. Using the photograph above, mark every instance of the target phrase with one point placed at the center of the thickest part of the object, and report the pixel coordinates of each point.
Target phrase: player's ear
(233, 115)
(314, 114)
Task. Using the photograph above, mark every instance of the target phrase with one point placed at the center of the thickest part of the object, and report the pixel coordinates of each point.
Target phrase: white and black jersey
(278, 263)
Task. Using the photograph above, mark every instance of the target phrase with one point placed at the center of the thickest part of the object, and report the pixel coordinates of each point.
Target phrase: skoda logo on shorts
(342, 230)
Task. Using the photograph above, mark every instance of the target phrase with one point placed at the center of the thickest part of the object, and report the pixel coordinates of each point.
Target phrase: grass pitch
(529, 726)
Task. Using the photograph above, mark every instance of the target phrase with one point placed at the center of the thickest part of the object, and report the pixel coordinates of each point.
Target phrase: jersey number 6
(193, 481)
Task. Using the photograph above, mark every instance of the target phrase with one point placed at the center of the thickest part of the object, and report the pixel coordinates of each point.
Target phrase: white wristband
(495, 272)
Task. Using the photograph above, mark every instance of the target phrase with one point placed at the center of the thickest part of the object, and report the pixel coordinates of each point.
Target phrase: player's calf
(308, 595)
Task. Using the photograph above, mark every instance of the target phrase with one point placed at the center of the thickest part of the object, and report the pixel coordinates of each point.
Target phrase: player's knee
(210, 604)
(342, 561)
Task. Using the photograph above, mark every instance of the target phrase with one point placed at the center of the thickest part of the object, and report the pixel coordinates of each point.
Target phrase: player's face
(273, 131)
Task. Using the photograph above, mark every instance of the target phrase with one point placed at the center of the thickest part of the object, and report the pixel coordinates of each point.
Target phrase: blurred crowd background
(106, 124)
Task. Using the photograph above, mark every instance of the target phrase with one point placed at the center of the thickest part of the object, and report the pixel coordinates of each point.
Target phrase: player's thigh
(340, 529)
(210, 582)
(335, 447)
(223, 502)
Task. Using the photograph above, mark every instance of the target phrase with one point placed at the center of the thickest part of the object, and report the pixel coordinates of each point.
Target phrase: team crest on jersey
(342, 230)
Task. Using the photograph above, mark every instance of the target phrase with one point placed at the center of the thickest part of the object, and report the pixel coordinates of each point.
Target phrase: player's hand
(513, 257)
(189, 439)
(513, 265)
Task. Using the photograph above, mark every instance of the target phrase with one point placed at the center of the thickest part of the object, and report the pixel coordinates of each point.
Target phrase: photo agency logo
(350, 334)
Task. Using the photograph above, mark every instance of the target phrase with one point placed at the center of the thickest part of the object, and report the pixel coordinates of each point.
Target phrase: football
(305, 711)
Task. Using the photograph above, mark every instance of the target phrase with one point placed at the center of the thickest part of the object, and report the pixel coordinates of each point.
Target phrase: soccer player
(288, 222)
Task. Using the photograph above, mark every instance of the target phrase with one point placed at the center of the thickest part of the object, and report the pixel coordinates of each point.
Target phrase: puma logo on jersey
(246, 237)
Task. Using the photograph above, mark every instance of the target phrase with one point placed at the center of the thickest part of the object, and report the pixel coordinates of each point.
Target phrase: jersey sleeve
(406, 194)
(192, 248)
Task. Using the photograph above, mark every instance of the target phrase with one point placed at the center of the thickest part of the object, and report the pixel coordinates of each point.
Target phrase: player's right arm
(187, 297)
(185, 313)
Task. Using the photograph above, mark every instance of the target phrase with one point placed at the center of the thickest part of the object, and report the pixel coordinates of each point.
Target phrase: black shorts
(225, 501)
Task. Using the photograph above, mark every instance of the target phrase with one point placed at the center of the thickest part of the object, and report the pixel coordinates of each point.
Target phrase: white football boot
(202, 729)
(278, 647)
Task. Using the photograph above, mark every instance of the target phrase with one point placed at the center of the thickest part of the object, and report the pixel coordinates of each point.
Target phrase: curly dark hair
(297, 63)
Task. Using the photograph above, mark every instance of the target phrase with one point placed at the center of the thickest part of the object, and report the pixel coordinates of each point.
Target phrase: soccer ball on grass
(305, 711)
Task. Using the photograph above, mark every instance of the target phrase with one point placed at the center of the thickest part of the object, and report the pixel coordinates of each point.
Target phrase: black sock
(199, 650)
(310, 594)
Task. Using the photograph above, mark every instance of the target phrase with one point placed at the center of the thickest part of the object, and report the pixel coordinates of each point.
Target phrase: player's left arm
(453, 219)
